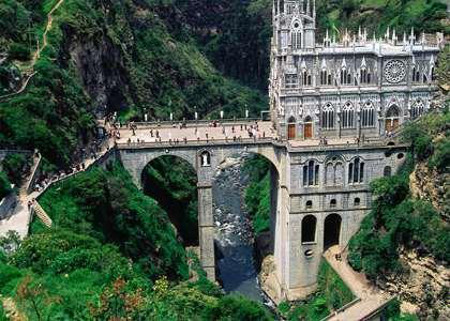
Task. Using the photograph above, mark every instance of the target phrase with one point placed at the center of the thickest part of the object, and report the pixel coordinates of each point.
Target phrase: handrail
(377, 310)
(342, 308)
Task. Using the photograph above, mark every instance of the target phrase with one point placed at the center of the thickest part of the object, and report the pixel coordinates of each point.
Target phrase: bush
(15, 165)
(5, 185)
(19, 51)
(238, 308)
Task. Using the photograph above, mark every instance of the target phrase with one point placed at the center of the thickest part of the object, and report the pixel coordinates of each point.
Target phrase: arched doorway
(392, 119)
(292, 132)
(308, 128)
(332, 231)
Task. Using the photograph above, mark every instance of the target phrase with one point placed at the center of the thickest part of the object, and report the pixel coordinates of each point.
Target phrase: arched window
(338, 174)
(415, 75)
(296, 39)
(309, 223)
(348, 116)
(330, 80)
(417, 109)
(363, 76)
(387, 172)
(333, 203)
(325, 78)
(393, 112)
(368, 115)
(205, 159)
(328, 117)
(357, 201)
(356, 171)
(305, 78)
(309, 205)
(433, 74)
(311, 174)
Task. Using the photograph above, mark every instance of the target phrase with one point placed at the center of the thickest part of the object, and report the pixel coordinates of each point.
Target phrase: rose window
(395, 71)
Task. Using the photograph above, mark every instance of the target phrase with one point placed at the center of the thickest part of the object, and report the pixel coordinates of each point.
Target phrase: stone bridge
(319, 192)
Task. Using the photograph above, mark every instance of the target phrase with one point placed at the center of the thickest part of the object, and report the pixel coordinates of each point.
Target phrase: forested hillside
(111, 254)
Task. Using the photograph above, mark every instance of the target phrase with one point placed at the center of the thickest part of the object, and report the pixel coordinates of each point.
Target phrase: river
(234, 235)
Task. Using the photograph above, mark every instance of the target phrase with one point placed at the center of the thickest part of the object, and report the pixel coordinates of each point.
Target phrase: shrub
(5, 185)
(14, 165)
(19, 51)
(238, 308)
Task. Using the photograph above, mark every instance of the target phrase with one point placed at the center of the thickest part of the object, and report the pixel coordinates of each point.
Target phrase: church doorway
(332, 231)
(292, 128)
(392, 120)
(307, 128)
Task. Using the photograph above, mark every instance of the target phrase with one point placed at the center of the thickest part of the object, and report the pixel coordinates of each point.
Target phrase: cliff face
(102, 69)
(430, 185)
(423, 286)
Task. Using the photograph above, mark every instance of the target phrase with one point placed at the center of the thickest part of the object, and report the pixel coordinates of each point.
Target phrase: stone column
(206, 229)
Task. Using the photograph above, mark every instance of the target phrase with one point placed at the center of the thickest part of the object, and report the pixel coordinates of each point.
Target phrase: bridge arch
(172, 181)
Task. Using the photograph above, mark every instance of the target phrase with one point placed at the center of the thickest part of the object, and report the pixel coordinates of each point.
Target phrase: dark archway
(332, 230)
(172, 182)
(309, 229)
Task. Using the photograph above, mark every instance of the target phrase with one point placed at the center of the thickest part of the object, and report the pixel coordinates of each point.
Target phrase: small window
(387, 172)
(308, 204)
(333, 203)
(357, 201)
(400, 156)
(205, 159)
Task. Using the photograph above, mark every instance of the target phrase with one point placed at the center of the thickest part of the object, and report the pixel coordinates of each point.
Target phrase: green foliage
(377, 15)
(172, 182)
(332, 293)
(237, 308)
(5, 185)
(398, 220)
(18, 51)
(257, 194)
(107, 206)
(14, 166)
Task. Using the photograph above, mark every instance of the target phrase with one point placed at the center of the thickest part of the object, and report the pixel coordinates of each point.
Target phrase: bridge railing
(194, 123)
(253, 141)
(198, 142)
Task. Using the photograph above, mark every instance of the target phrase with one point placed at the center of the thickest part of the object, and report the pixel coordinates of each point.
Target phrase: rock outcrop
(423, 287)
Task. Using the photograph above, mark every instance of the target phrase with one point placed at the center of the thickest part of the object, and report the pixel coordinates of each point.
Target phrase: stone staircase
(42, 215)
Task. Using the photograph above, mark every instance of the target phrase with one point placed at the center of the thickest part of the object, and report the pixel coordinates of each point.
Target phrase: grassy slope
(332, 294)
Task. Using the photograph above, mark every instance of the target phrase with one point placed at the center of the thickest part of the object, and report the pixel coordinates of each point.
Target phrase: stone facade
(353, 86)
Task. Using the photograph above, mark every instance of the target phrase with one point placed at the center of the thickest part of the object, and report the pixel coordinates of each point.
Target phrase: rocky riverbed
(234, 235)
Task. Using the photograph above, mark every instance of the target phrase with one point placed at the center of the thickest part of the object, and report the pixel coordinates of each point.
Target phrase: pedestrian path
(371, 299)
(20, 219)
(36, 55)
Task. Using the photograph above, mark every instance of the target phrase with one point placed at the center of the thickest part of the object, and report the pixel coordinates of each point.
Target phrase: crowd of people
(229, 133)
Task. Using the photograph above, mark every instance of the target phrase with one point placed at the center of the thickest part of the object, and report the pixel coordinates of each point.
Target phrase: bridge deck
(148, 135)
